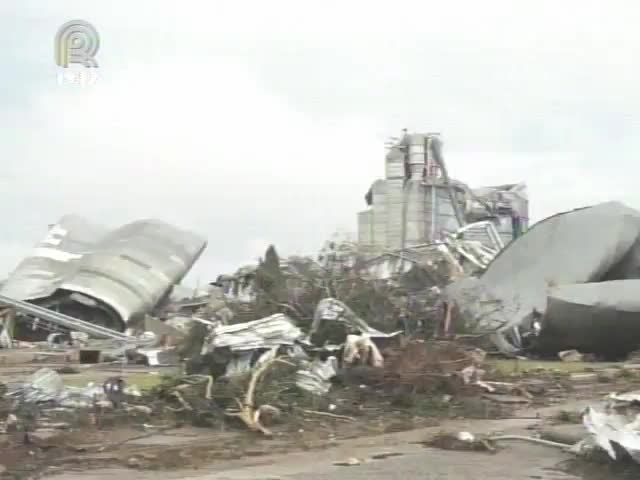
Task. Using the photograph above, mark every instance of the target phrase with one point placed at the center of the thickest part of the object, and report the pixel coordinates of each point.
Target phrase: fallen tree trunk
(248, 413)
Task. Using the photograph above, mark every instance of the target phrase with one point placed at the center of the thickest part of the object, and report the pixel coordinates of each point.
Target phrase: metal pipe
(427, 149)
(405, 206)
(496, 235)
(436, 149)
(71, 322)
(64, 320)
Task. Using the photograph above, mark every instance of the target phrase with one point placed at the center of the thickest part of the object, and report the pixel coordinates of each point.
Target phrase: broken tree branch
(539, 441)
(287, 306)
(181, 400)
(249, 414)
(330, 415)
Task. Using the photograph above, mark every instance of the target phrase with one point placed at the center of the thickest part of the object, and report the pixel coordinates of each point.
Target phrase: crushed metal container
(549, 279)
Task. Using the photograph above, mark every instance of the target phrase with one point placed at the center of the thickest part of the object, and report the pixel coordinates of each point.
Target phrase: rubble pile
(430, 368)
(270, 343)
(276, 344)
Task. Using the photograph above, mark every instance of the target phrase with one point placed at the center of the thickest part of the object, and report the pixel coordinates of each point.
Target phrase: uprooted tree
(250, 413)
(295, 287)
(270, 284)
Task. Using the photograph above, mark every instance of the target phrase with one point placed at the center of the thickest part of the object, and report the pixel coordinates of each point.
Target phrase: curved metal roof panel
(133, 267)
(40, 274)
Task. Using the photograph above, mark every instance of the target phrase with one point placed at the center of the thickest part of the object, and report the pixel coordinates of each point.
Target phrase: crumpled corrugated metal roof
(331, 309)
(128, 269)
(40, 274)
(268, 332)
(315, 377)
(132, 267)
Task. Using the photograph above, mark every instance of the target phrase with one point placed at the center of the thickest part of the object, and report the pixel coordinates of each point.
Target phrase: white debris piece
(46, 385)
(267, 356)
(241, 361)
(332, 309)
(180, 323)
(571, 356)
(5, 338)
(160, 356)
(614, 428)
(132, 391)
(628, 398)
(473, 375)
(361, 349)
(43, 386)
(79, 338)
(315, 378)
(611, 430)
(465, 437)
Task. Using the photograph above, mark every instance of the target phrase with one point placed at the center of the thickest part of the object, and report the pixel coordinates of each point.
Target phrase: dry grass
(426, 367)
(515, 366)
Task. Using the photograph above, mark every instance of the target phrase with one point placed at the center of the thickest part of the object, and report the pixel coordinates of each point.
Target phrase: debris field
(106, 358)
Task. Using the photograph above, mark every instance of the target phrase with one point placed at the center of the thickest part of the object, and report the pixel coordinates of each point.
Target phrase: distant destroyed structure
(417, 203)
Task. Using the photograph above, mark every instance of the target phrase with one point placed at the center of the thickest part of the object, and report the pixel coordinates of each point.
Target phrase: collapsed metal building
(417, 203)
(571, 282)
(105, 277)
(418, 214)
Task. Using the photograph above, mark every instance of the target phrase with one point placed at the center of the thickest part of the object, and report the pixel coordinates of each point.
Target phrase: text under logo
(77, 41)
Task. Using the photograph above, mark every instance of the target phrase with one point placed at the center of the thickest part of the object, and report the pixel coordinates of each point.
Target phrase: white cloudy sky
(263, 122)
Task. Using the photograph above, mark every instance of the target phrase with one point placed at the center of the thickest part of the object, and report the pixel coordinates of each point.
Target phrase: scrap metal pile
(251, 346)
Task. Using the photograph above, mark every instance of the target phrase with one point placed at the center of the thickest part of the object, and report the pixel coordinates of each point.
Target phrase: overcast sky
(264, 122)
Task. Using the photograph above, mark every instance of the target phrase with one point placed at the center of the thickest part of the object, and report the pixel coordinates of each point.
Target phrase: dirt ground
(402, 455)
(159, 442)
